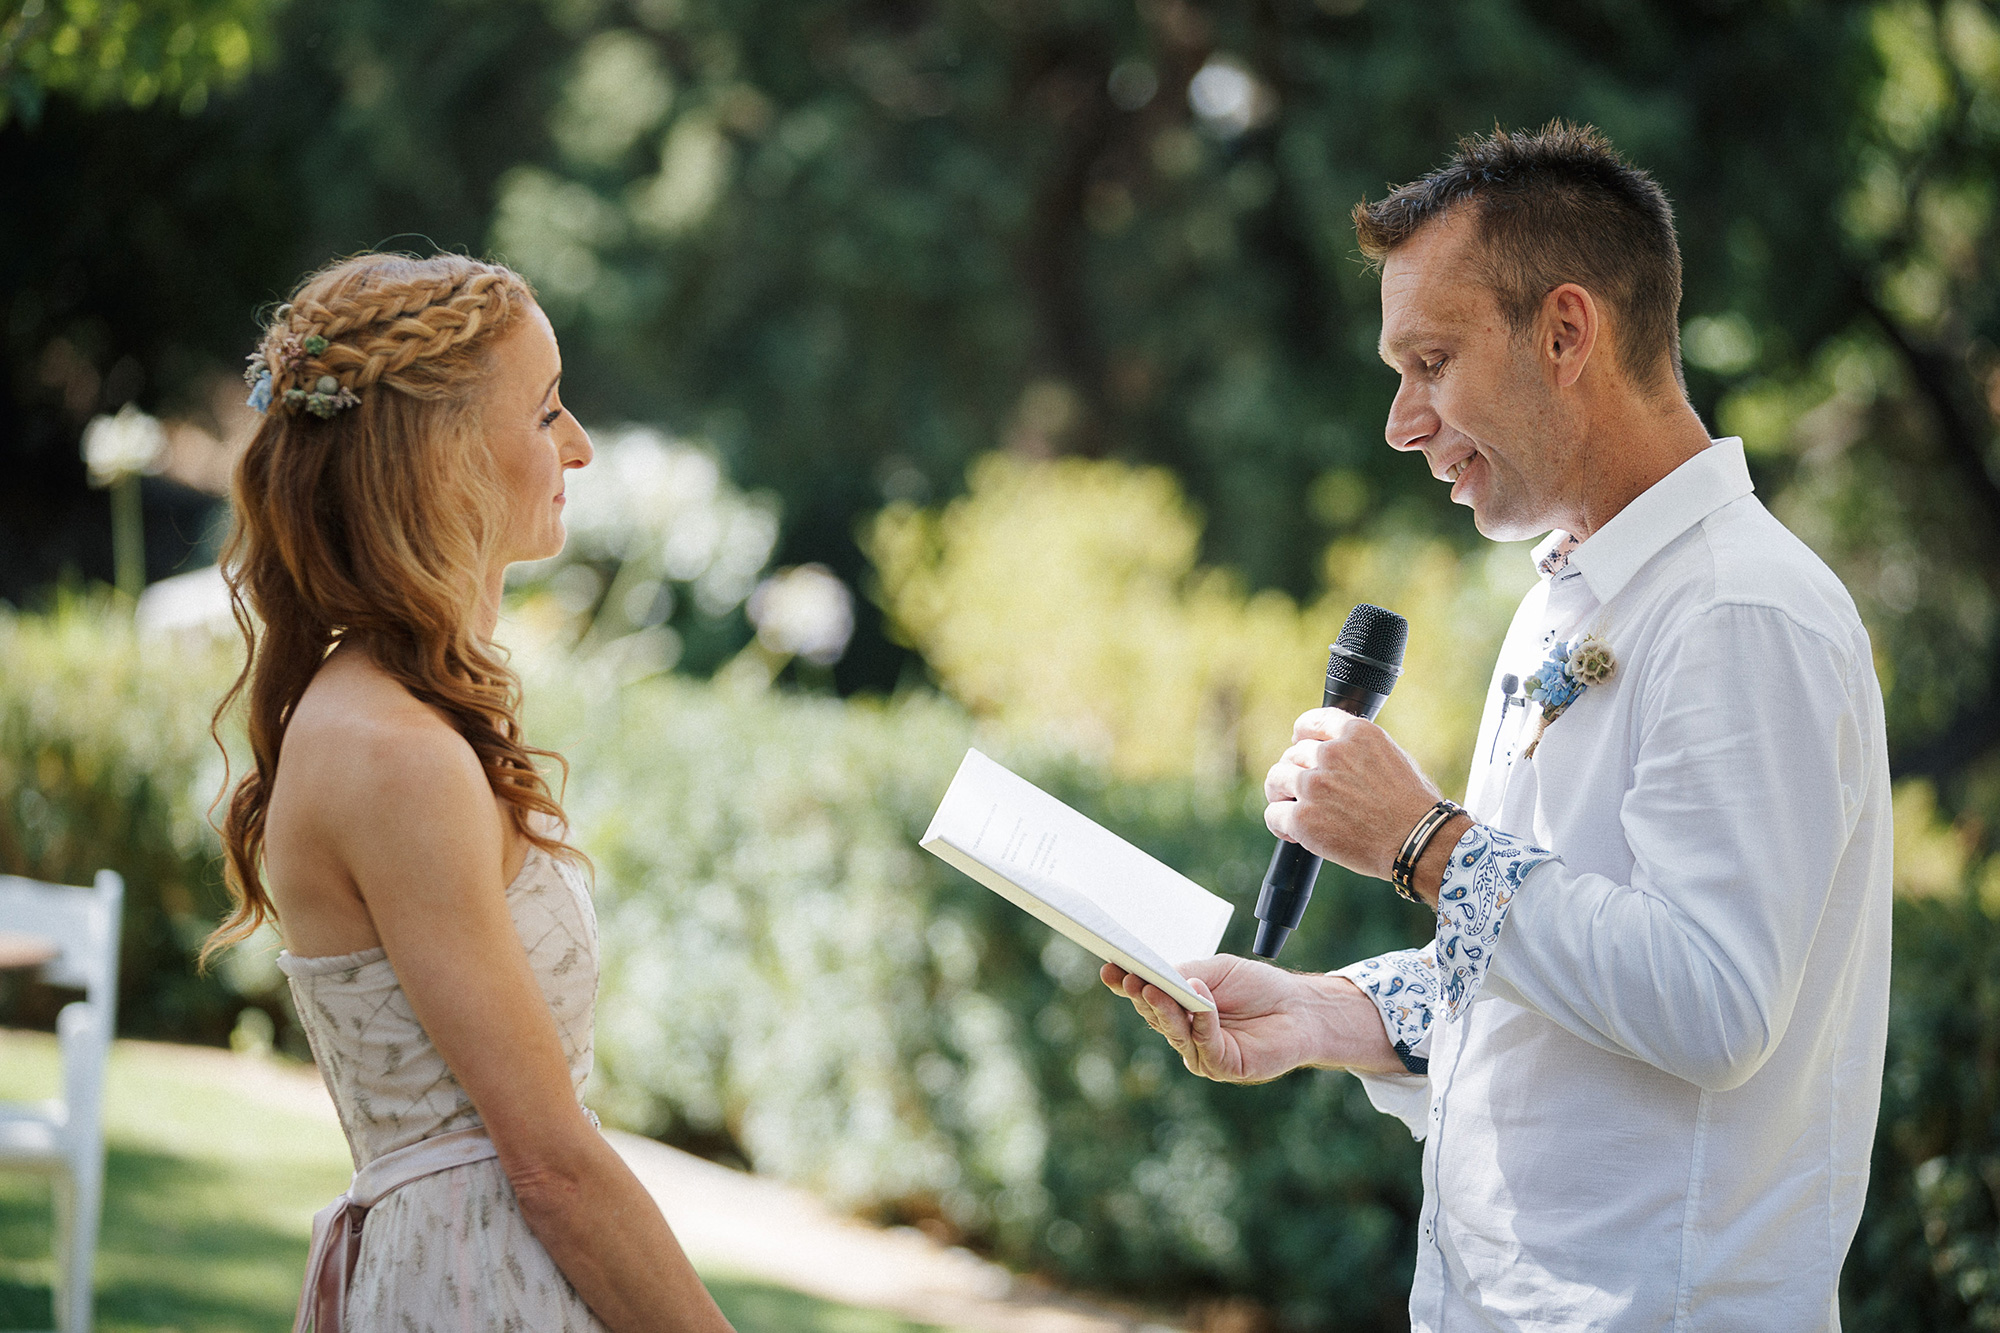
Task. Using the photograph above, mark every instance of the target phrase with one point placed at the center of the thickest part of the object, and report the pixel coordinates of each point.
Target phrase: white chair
(64, 1139)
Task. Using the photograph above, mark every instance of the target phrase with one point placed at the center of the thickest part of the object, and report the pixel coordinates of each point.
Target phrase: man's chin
(1503, 527)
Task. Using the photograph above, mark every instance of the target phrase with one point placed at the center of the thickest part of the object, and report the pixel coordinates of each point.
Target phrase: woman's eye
(552, 418)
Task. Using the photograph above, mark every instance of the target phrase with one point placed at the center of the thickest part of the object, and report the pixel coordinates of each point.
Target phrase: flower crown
(327, 395)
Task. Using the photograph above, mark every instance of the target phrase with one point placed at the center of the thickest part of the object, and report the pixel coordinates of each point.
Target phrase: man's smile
(1455, 469)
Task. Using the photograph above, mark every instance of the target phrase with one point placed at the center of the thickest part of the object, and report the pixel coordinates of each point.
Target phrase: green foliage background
(856, 246)
(790, 983)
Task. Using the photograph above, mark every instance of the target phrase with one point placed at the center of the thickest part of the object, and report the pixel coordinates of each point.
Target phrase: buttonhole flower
(1570, 669)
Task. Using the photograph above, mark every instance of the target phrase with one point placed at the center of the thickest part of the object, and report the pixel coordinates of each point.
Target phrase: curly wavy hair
(373, 524)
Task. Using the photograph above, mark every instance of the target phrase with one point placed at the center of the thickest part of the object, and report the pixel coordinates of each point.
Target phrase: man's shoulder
(1742, 556)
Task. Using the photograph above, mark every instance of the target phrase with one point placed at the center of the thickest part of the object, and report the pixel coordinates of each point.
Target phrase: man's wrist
(1428, 878)
(1349, 1029)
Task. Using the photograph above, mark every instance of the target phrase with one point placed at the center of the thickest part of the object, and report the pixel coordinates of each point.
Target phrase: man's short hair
(1556, 205)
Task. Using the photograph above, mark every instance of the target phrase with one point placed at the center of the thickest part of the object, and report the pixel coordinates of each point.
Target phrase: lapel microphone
(1360, 671)
(1510, 685)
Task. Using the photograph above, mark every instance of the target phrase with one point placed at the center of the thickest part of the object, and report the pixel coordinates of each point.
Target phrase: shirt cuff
(1403, 986)
(1485, 871)
(1404, 1096)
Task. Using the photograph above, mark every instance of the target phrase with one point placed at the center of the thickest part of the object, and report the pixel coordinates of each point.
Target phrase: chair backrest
(83, 922)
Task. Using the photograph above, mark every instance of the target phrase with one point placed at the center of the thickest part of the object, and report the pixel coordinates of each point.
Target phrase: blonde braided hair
(374, 526)
(358, 325)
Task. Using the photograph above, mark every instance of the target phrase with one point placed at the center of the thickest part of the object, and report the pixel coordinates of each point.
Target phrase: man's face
(1474, 398)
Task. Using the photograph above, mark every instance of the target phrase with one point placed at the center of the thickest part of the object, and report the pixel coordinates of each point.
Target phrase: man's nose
(1411, 420)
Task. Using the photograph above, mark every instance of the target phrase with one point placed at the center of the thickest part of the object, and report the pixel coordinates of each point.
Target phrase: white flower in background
(805, 611)
(1228, 98)
(641, 488)
(192, 603)
(122, 446)
(661, 511)
(742, 548)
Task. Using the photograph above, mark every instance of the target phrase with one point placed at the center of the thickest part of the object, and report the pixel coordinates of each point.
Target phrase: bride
(439, 937)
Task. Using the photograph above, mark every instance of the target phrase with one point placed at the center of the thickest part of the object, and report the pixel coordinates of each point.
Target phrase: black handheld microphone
(1360, 672)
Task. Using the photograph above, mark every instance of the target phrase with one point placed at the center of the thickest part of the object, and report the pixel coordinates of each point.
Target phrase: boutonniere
(1572, 668)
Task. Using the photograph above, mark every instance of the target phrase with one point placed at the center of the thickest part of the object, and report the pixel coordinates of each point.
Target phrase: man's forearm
(1347, 1029)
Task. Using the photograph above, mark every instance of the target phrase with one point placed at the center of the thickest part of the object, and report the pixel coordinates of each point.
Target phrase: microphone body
(1361, 669)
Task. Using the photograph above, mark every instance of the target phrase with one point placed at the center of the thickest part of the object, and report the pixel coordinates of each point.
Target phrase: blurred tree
(131, 51)
(156, 236)
(1150, 664)
(854, 246)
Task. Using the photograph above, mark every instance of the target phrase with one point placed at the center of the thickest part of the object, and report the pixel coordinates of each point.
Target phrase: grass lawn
(209, 1205)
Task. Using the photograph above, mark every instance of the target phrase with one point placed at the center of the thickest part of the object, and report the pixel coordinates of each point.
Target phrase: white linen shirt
(1651, 1102)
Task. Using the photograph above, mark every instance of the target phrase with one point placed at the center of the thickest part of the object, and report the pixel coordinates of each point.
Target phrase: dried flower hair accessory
(1572, 668)
(258, 376)
(326, 397)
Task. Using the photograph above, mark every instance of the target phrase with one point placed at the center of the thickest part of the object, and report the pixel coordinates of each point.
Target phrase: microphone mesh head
(1370, 632)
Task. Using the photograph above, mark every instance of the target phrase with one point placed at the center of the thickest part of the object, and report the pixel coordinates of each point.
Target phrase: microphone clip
(1510, 695)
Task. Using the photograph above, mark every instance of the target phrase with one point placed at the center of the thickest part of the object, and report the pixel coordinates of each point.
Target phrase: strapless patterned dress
(450, 1251)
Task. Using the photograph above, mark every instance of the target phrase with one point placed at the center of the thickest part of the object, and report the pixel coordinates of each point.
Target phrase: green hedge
(105, 760)
(790, 979)
(1928, 1256)
(790, 982)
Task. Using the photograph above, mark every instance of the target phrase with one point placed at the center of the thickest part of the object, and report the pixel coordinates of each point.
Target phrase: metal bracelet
(1403, 873)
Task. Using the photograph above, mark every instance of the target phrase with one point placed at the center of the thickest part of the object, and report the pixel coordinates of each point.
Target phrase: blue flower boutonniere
(1572, 668)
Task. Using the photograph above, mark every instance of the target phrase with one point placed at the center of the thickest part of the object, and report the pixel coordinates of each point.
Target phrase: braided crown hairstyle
(373, 524)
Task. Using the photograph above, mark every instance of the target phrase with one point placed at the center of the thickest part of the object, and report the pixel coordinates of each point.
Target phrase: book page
(1101, 891)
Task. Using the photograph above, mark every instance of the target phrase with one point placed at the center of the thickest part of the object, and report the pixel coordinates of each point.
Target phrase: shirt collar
(1670, 506)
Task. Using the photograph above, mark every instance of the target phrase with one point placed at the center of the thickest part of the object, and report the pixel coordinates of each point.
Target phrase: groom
(1644, 1048)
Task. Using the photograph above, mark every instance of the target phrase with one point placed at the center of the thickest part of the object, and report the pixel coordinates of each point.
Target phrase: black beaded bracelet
(1403, 873)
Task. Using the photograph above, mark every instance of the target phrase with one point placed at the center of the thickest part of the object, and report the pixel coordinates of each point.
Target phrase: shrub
(1928, 1255)
(789, 981)
(1152, 663)
(106, 761)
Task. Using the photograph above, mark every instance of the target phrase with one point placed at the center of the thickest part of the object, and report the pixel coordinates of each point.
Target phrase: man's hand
(1347, 792)
(1267, 1022)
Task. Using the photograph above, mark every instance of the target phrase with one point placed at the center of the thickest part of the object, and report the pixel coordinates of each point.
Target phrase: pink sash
(336, 1238)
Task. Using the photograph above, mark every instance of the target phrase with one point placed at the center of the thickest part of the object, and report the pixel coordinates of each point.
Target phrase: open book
(1076, 875)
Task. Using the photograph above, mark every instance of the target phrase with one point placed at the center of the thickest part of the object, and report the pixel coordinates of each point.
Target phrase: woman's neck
(486, 616)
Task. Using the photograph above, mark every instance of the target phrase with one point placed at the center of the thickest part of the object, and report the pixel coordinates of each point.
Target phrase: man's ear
(1567, 329)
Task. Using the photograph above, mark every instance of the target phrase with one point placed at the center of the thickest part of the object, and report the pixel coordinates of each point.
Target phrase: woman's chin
(527, 553)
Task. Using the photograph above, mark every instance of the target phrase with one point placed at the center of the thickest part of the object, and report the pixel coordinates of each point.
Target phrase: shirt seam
(1756, 602)
(1843, 652)
(1683, 1285)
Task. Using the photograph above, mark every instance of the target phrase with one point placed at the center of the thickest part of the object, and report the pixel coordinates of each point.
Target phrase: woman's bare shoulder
(359, 743)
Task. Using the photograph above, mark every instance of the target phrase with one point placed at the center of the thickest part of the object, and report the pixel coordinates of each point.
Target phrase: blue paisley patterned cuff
(1403, 986)
(1486, 870)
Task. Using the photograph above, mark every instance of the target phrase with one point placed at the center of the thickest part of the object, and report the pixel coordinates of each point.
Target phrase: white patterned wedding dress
(448, 1251)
